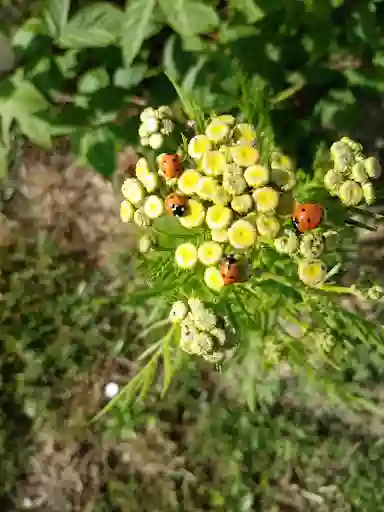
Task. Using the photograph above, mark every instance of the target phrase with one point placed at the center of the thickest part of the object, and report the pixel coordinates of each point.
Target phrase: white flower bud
(156, 140)
(350, 193)
(145, 244)
(287, 244)
(368, 192)
(333, 181)
(359, 173)
(372, 167)
(178, 312)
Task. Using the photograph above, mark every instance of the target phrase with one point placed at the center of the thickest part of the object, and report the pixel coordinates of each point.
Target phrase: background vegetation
(80, 70)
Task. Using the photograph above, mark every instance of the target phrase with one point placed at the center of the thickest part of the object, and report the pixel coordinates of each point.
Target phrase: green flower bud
(372, 167)
(368, 192)
(311, 245)
(283, 178)
(351, 193)
(333, 181)
(359, 173)
(287, 244)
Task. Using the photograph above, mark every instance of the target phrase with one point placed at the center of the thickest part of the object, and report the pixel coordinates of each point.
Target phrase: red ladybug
(171, 166)
(229, 270)
(176, 204)
(307, 216)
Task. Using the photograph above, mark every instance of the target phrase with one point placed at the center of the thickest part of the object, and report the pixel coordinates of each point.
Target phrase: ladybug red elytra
(176, 204)
(171, 166)
(229, 270)
(307, 216)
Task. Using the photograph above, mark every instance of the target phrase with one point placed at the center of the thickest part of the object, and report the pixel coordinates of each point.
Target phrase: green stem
(342, 290)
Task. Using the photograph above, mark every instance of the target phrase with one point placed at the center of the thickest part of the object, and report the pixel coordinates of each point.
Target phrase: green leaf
(148, 375)
(36, 130)
(101, 154)
(249, 8)
(191, 77)
(189, 17)
(55, 15)
(168, 370)
(93, 80)
(93, 26)
(7, 57)
(138, 16)
(3, 162)
(129, 77)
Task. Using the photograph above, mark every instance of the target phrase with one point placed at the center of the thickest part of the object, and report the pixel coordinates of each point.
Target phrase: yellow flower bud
(359, 173)
(351, 193)
(126, 211)
(188, 182)
(245, 132)
(242, 234)
(312, 273)
(226, 118)
(283, 178)
(218, 217)
(140, 219)
(242, 204)
(266, 199)
(207, 187)
(256, 176)
(245, 155)
(372, 167)
(150, 182)
(153, 207)
(199, 145)
(268, 226)
(221, 196)
(234, 184)
(342, 155)
(214, 163)
(213, 279)
(217, 130)
(219, 235)
(333, 181)
(281, 161)
(210, 253)
(142, 169)
(145, 244)
(186, 256)
(287, 244)
(133, 191)
(194, 216)
(311, 245)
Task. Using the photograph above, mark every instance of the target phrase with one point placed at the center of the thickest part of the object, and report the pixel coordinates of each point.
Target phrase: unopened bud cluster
(156, 124)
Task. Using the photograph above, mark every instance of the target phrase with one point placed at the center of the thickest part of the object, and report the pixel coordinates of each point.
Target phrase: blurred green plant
(79, 69)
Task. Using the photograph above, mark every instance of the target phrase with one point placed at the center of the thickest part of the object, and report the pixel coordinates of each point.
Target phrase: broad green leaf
(93, 80)
(249, 8)
(101, 153)
(93, 26)
(55, 15)
(137, 17)
(189, 17)
(129, 77)
(191, 77)
(36, 130)
(24, 36)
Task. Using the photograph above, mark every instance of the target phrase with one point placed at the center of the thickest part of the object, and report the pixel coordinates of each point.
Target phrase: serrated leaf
(137, 17)
(93, 80)
(93, 26)
(55, 16)
(189, 17)
(129, 77)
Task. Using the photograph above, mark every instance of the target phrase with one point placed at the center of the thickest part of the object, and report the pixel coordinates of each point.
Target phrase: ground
(196, 449)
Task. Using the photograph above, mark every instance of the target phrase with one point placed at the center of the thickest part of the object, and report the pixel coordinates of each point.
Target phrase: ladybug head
(230, 259)
(178, 210)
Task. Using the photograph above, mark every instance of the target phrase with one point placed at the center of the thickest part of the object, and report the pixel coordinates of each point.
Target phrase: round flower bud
(194, 216)
(147, 113)
(256, 176)
(126, 211)
(218, 217)
(372, 167)
(150, 182)
(142, 169)
(143, 131)
(245, 133)
(288, 243)
(219, 235)
(268, 226)
(234, 184)
(204, 318)
(213, 163)
(311, 245)
(217, 130)
(140, 219)
(350, 193)
(342, 155)
(213, 279)
(189, 181)
(281, 161)
(245, 155)
(151, 125)
(359, 173)
(209, 253)
(145, 244)
(355, 146)
(198, 145)
(206, 187)
(178, 312)
(133, 191)
(368, 192)
(242, 204)
(226, 118)
(312, 273)
(186, 256)
(144, 141)
(221, 196)
(164, 112)
(266, 199)
(242, 234)
(167, 127)
(333, 181)
(283, 178)
(156, 140)
(153, 207)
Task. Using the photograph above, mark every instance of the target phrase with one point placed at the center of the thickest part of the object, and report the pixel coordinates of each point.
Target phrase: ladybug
(229, 270)
(176, 204)
(171, 166)
(307, 216)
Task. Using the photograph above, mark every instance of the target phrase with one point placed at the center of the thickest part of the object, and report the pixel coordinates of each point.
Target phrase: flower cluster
(155, 125)
(352, 173)
(201, 331)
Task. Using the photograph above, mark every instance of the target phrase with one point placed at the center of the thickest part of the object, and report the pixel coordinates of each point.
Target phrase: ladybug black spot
(309, 221)
(178, 210)
(303, 209)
